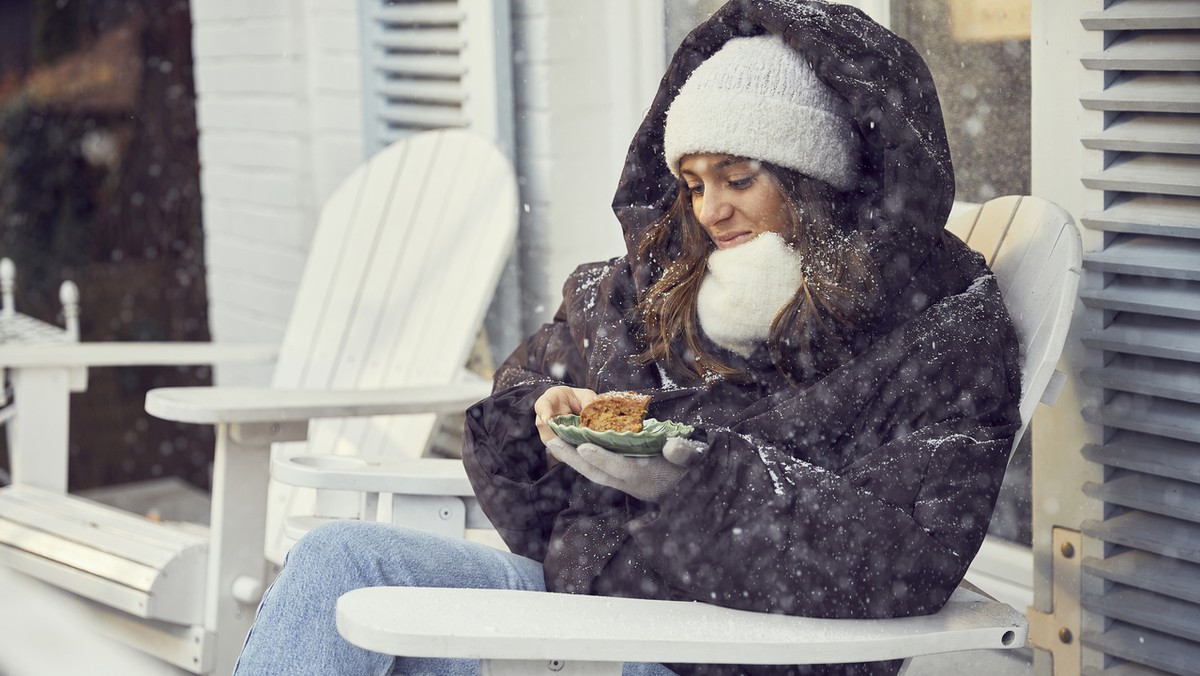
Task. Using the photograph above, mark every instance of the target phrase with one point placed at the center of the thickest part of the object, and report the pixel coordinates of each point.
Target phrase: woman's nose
(714, 209)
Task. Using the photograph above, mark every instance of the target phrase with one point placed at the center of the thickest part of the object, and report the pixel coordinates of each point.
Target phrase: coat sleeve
(504, 457)
(813, 542)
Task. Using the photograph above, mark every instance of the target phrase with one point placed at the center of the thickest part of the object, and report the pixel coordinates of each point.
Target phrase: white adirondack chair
(403, 265)
(1034, 249)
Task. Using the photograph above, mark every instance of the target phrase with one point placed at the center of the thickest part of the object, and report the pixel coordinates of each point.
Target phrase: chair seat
(145, 568)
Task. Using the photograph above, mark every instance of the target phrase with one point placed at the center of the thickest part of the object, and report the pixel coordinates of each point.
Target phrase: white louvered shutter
(430, 64)
(1150, 300)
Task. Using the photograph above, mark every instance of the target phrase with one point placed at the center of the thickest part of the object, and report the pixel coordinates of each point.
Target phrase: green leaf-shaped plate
(647, 442)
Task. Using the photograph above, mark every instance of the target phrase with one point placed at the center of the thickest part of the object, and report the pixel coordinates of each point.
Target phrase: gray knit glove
(645, 478)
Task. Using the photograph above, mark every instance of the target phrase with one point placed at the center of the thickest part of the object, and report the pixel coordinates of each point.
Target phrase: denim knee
(334, 539)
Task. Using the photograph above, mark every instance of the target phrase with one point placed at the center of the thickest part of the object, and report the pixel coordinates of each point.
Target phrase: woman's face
(733, 198)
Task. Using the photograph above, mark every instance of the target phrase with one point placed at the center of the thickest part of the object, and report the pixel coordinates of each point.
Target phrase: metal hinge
(1058, 632)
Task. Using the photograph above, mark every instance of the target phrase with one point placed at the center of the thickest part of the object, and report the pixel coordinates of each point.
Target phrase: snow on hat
(757, 98)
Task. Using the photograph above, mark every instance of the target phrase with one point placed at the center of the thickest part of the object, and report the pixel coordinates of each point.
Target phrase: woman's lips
(733, 239)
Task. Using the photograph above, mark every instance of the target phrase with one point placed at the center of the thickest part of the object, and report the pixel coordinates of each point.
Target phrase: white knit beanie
(757, 98)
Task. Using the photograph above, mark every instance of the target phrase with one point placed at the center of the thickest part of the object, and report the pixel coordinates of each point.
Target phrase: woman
(790, 292)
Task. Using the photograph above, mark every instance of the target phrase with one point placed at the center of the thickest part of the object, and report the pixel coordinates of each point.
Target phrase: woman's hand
(645, 478)
(561, 400)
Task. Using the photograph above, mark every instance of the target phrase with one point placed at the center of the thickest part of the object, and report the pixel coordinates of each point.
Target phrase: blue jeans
(294, 631)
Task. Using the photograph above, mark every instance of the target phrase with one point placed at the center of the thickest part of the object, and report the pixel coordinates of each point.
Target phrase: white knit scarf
(743, 290)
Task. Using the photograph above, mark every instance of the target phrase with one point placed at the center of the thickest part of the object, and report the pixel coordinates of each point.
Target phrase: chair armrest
(76, 355)
(263, 405)
(408, 476)
(434, 622)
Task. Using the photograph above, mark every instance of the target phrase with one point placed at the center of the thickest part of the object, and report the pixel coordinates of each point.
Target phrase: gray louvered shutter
(431, 64)
(1150, 300)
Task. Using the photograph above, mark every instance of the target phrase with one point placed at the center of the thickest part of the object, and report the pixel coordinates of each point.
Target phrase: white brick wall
(584, 72)
(334, 87)
(279, 108)
(279, 90)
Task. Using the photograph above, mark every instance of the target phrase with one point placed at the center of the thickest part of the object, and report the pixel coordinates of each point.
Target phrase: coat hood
(907, 187)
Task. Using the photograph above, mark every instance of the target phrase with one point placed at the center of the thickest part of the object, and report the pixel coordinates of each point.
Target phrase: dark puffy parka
(861, 488)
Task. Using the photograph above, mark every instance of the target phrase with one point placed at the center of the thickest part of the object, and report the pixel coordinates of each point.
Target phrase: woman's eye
(741, 183)
(696, 189)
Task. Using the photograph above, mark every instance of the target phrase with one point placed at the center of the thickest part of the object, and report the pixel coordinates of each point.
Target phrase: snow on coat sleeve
(814, 542)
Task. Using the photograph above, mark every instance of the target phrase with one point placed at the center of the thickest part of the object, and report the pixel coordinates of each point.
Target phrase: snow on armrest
(247, 405)
(515, 625)
(75, 355)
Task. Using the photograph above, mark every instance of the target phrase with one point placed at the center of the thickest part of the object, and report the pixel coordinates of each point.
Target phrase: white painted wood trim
(1005, 570)
(487, 57)
(633, 73)
(1059, 82)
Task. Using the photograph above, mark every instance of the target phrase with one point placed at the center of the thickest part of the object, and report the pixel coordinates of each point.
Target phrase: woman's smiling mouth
(732, 239)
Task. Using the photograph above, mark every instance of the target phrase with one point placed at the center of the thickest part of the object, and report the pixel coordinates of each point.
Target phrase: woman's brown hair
(836, 292)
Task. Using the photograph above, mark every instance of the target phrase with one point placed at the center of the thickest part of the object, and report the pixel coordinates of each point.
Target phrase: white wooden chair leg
(236, 563)
(38, 437)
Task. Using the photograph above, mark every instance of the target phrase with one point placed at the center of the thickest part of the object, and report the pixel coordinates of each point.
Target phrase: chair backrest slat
(404, 263)
(395, 253)
(1034, 249)
(316, 289)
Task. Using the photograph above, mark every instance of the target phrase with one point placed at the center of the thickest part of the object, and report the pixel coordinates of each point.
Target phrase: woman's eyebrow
(731, 161)
(719, 166)
(722, 165)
